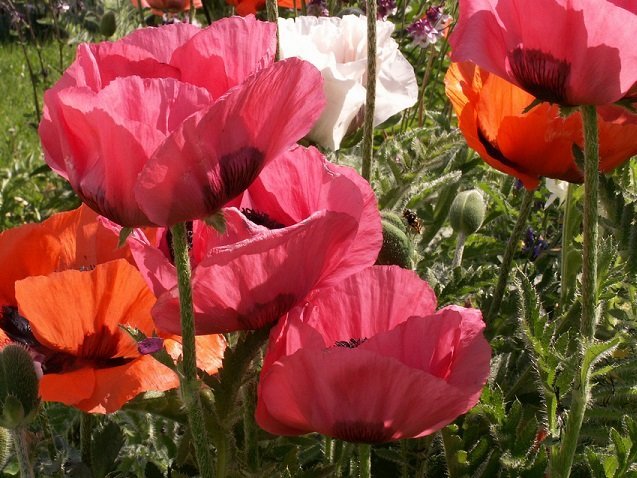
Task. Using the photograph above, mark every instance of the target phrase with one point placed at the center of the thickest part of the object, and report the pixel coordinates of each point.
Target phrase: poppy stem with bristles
(370, 99)
(364, 460)
(189, 384)
(21, 446)
(272, 11)
(563, 461)
(507, 260)
(86, 429)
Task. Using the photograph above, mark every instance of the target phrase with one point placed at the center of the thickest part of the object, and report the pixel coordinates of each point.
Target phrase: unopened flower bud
(19, 397)
(108, 24)
(467, 212)
(150, 345)
(396, 249)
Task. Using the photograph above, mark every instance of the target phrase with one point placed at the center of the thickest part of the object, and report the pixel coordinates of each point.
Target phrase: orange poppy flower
(63, 297)
(67, 240)
(89, 362)
(533, 144)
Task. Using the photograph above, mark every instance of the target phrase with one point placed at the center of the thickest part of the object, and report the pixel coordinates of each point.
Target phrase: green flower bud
(396, 248)
(108, 24)
(467, 212)
(19, 383)
(392, 218)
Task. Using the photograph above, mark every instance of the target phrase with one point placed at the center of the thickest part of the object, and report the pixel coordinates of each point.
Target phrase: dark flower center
(97, 349)
(261, 218)
(541, 74)
(351, 343)
(361, 432)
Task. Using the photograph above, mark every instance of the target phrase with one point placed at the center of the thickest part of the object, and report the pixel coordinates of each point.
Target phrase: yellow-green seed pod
(397, 248)
(19, 383)
(5, 446)
(467, 212)
(108, 24)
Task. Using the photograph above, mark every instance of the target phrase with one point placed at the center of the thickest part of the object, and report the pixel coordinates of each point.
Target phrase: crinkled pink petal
(284, 266)
(215, 155)
(108, 138)
(363, 299)
(158, 272)
(161, 42)
(353, 395)
(226, 53)
(302, 181)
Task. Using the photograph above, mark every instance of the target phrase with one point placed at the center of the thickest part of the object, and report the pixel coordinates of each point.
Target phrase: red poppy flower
(304, 223)
(169, 123)
(569, 52)
(534, 144)
(370, 360)
(88, 361)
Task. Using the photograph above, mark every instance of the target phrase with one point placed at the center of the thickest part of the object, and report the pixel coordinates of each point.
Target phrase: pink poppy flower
(569, 52)
(168, 124)
(304, 223)
(371, 361)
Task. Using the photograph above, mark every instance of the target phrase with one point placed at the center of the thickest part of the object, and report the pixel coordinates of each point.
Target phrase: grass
(28, 190)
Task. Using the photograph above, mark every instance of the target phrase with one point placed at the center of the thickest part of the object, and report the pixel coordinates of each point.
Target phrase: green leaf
(106, 443)
(123, 235)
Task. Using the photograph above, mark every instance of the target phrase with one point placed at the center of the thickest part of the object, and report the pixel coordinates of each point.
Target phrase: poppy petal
(80, 312)
(215, 155)
(284, 264)
(225, 54)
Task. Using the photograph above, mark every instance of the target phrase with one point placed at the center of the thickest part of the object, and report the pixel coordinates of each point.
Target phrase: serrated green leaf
(595, 351)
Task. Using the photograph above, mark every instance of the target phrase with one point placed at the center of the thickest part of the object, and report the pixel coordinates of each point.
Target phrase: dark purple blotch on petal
(362, 432)
(541, 74)
(237, 170)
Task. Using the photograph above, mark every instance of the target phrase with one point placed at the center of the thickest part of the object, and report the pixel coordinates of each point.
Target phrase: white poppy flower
(338, 47)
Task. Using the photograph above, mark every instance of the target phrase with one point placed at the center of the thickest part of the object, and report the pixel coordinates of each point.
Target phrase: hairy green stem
(431, 52)
(272, 10)
(328, 453)
(86, 428)
(370, 99)
(364, 460)
(457, 255)
(561, 465)
(507, 260)
(250, 428)
(189, 384)
(19, 437)
(567, 242)
(140, 10)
